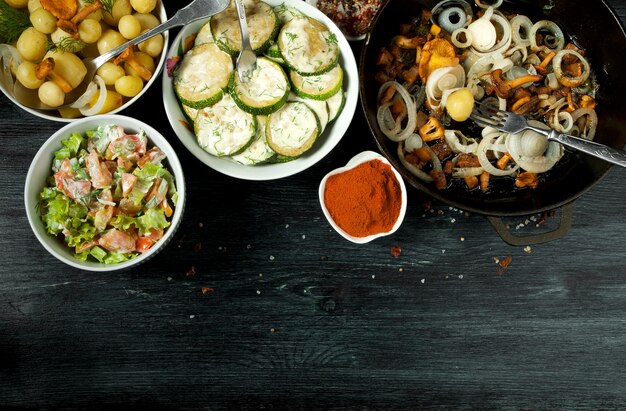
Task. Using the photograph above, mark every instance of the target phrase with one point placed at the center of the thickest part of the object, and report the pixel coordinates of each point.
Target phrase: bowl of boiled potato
(45, 42)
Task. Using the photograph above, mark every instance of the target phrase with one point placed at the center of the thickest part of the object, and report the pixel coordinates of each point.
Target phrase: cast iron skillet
(595, 27)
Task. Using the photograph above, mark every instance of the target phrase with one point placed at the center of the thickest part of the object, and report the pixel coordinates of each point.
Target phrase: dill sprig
(69, 44)
(12, 22)
(107, 6)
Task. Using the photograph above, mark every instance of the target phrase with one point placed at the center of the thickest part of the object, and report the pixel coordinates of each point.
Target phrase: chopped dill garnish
(12, 23)
(69, 44)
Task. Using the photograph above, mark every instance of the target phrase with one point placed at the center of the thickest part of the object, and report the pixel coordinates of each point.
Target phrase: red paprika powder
(365, 200)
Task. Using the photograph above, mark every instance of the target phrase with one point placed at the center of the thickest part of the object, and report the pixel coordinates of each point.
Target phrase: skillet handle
(519, 240)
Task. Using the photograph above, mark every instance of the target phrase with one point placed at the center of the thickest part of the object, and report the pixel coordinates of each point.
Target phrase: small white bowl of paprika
(364, 200)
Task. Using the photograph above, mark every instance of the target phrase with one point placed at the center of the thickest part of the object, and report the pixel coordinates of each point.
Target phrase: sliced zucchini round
(265, 92)
(224, 129)
(335, 104)
(308, 46)
(319, 107)
(258, 151)
(263, 25)
(202, 76)
(286, 13)
(292, 130)
(319, 86)
(190, 112)
(204, 34)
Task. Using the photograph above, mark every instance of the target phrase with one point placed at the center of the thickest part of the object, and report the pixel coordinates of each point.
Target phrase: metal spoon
(246, 61)
(196, 10)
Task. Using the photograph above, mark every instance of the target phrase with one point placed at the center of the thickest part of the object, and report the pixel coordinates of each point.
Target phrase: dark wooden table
(293, 315)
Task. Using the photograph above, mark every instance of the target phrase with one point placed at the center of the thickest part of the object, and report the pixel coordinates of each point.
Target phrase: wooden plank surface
(300, 318)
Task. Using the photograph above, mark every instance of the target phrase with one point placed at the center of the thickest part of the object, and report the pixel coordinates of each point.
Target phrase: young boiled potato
(110, 72)
(68, 66)
(143, 6)
(152, 46)
(43, 21)
(17, 4)
(128, 86)
(89, 31)
(129, 26)
(96, 15)
(460, 104)
(32, 44)
(65, 41)
(109, 40)
(120, 8)
(147, 20)
(51, 94)
(33, 5)
(26, 75)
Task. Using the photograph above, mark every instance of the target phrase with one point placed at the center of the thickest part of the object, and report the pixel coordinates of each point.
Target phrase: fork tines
(486, 115)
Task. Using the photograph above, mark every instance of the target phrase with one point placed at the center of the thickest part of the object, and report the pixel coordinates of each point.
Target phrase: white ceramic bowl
(325, 143)
(40, 170)
(355, 161)
(54, 115)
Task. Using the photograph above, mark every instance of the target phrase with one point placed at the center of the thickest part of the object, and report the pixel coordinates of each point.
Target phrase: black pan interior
(594, 27)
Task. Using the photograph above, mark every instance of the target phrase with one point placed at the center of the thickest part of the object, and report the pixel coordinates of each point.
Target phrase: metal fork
(246, 61)
(488, 116)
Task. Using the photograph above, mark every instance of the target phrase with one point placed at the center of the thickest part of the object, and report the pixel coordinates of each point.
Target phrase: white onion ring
(558, 70)
(537, 164)
(463, 172)
(551, 27)
(459, 143)
(483, 147)
(483, 32)
(442, 80)
(10, 57)
(589, 131)
(458, 43)
(97, 107)
(505, 42)
(413, 142)
(397, 134)
(521, 22)
(86, 97)
(495, 4)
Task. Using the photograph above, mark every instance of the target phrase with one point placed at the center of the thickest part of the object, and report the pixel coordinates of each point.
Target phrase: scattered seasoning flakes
(273, 329)
(286, 225)
(323, 258)
(528, 249)
(169, 278)
(373, 276)
(443, 251)
(249, 246)
(462, 238)
(401, 269)
(258, 292)
(207, 290)
(191, 271)
(504, 263)
(201, 225)
(271, 258)
(453, 220)
(427, 205)
(423, 280)
(192, 316)
(396, 251)
(303, 236)
(197, 247)
(496, 260)
(460, 276)
(260, 274)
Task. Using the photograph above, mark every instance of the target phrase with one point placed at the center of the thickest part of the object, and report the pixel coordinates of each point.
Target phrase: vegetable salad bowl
(165, 164)
(182, 118)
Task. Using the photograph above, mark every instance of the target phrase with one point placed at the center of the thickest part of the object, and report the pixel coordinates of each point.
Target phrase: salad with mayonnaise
(110, 196)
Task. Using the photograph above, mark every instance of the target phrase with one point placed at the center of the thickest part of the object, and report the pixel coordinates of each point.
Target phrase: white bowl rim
(159, 66)
(363, 157)
(44, 154)
(264, 172)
